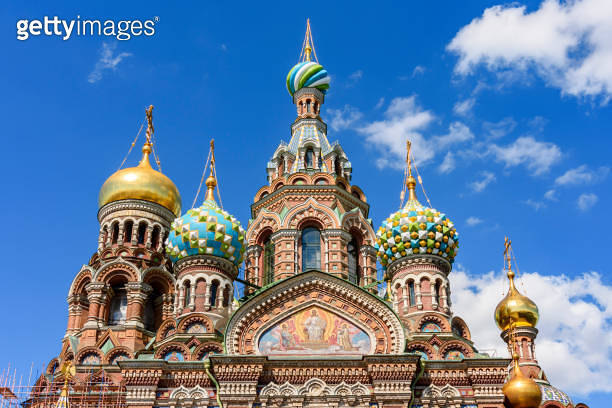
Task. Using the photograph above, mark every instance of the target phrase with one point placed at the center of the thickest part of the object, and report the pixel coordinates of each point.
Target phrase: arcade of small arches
(318, 179)
(202, 291)
(414, 293)
(137, 233)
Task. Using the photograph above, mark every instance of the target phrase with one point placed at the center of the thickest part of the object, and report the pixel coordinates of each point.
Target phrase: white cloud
(380, 103)
(551, 195)
(473, 221)
(457, 133)
(344, 118)
(418, 70)
(536, 205)
(536, 156)
(582, 175)
(356, 76)
(575, 323)
(464, 108)
(565, 43)
(586, 201)
(497, 130)
(448, 164)
(107, 61)
(479, 185)
(404, 119)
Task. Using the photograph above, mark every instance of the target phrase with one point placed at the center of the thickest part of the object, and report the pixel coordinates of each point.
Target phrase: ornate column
(137, 294)
(95, 296)
(149, 236)
(120, 238)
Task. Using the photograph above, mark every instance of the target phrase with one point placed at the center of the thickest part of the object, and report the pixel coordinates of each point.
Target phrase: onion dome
(416, 229)
(515, 309)
(141, 182)
(207, 230)
(520, 391)
(550, 393)
(307, 74)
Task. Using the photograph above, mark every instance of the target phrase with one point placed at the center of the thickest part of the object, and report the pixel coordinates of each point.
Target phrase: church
(153, 320)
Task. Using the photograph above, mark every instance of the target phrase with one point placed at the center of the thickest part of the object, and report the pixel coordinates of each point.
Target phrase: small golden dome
(520, 391)
(516, 309)
(141, 183)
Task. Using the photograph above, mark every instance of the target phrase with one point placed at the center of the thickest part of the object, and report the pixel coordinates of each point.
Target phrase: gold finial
(211, 181)
(308, 46)
(146, 148)
(410, 181)
(508, 259)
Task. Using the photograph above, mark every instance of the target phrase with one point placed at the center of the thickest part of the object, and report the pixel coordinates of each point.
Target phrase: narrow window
(115, 234)
(155, 237)
(309, 159)
(411, 293)
(308, 106)
(214, 288)
(187, 294)
(353, 262)
(142, 228)
(437, 292)
(311, 249)
(268, 262)
(118, 306)
(127, 232)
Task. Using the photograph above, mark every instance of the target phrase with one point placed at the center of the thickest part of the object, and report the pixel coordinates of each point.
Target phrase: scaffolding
(93, 389)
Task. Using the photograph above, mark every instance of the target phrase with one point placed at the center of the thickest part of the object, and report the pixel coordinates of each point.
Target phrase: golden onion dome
(141, 183)
(516, 309)
(521, 391)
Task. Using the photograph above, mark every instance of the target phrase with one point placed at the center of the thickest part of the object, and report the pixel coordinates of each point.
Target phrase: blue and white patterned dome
(206, 230)
(307, 74)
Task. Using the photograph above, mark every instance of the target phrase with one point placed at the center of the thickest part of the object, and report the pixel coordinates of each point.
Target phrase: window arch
(309, 158)
(127, 231)
(411, 295)
(142, 229)
(311, 249)
(353, 261)
(155, 237)
(115, 233)
(268, 261)
(436, 293)
(187, 293)
(214, 291)
(118, 306)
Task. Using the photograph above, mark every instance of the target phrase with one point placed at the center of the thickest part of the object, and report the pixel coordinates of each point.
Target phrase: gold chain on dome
(308, 46)
(211, 181)
(131, 146)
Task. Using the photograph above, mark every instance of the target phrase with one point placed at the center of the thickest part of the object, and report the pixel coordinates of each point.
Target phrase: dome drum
(199, 262)
(320, 96)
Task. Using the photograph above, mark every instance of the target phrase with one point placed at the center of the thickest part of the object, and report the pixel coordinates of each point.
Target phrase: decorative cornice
(419, 259)
(530, 332)
(140, 205)
(285, 233)
(321, 126)
(206, 261)
(309, 91)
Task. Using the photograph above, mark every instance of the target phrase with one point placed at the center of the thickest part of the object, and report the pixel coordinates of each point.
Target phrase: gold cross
(150, 130)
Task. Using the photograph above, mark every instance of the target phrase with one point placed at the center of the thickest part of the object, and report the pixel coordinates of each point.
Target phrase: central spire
(308, 46)
(211, 181)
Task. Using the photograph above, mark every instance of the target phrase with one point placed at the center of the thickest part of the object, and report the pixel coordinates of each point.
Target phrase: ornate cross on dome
(211, 181)
(508, 258)
(150, 130)
(308, 46)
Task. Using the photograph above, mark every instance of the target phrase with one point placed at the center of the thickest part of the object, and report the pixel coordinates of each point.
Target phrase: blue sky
(508, 108)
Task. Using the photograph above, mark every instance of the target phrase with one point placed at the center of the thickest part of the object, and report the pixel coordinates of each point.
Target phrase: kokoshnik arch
(153, 312)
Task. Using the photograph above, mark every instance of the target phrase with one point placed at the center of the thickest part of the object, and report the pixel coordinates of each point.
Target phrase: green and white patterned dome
(416, 230)
(207, 230)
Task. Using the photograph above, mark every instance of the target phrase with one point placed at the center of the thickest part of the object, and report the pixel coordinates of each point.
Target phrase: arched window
(142, 229)
(214, 289)
(353, 261)
(127, 232)
(309, 159)
(411, 296)
(149, 317)
(268, 262)
(187, 298)
(337, 166)
(118, 306)
(311, 249)
(308, 106)
(115, 234)
(155, 237)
